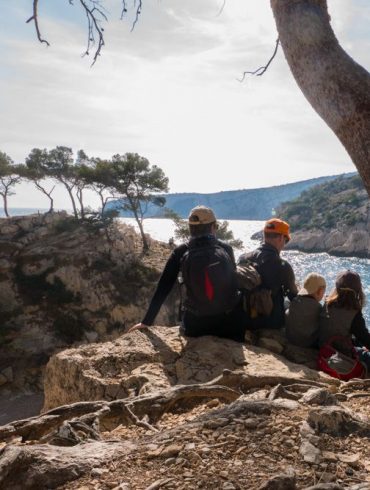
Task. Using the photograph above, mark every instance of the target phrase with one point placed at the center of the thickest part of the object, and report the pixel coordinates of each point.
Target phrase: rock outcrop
(64, 282)
(350, 241)
(188, 414)
(158, 358)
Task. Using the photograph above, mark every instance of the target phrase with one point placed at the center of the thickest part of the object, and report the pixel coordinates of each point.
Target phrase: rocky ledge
(346, 241)
(154, 410)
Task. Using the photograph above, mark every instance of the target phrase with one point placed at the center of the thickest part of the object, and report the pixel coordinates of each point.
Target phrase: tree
(182, 230)
(8, 179)
(60, 167)
(98, 177)
(137, 183)
(35, 170)
(334, 84)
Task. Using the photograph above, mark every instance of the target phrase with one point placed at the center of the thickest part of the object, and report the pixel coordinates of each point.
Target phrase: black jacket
(169, 276)
(278, 276)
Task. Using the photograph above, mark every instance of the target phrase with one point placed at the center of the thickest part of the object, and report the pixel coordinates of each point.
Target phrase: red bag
(333, 361)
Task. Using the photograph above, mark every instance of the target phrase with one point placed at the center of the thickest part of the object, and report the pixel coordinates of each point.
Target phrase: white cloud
(169, 91)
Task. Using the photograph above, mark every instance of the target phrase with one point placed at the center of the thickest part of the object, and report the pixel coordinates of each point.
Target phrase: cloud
(169, 91)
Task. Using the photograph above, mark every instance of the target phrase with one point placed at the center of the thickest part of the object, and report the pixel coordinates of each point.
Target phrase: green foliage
(137, 182)
(8, 179)
(35, 289)
(340, 201)
(182, 232)
(67, 224)
(127, 281)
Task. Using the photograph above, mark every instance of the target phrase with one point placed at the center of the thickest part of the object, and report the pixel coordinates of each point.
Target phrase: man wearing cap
(227, 323)
(277, 274)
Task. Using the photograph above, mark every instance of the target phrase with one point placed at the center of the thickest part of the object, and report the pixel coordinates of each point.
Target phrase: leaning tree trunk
(335, 85)
(5, 204)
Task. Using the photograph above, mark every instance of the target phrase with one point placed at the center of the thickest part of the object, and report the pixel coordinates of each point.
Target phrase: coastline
(348, 241)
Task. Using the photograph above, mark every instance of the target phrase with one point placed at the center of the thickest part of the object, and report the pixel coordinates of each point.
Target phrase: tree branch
(35, 20)
(262, 69)
(93, 27)
(138, 12)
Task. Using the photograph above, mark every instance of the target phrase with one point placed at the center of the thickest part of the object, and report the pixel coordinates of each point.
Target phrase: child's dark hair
(348, 292)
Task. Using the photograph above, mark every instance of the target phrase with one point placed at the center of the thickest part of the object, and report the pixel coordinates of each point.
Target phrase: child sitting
(302, 316)
(342, 314)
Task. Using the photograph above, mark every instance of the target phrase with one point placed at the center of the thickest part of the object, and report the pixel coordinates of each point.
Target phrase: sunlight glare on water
(302, 263)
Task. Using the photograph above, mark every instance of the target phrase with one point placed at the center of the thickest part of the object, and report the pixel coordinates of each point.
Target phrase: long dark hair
(346, 298)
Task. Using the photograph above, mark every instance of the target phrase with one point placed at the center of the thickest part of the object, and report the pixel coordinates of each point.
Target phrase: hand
(137, 327)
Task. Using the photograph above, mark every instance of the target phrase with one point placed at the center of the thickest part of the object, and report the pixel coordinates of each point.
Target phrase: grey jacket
(302, 321)
(335, 321)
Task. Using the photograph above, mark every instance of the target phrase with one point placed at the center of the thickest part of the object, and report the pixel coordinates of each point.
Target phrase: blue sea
(22, 211)
(302, 263)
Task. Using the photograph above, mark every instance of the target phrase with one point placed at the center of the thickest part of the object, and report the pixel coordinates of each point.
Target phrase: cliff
(65, 282)
(333, 217)
(344, 241)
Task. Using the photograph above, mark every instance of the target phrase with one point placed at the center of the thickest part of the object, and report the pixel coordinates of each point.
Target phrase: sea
(302, 263)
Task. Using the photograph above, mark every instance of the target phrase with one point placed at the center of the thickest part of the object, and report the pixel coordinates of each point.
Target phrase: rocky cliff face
(350, 241)
(64, 282)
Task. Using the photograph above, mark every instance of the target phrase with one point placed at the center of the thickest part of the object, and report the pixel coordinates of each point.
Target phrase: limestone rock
(65, 282)
(337, 421)
(157, 358)
(319, 396)
(310, 453)
(45, 466)
(280, 482)
(353, 241)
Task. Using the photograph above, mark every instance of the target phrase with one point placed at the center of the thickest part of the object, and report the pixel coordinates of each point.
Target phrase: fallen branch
(110, 414)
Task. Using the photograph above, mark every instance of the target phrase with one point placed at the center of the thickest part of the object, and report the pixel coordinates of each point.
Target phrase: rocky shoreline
(346, 241)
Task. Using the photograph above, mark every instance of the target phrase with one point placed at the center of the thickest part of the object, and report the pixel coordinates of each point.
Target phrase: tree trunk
(335, 85)
(140, 224)
(48, 194)
(80, 200)
(51, 208)
(5, 199)
(69, 190)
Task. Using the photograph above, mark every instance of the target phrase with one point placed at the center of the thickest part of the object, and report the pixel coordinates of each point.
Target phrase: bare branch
(35, 20)
(138, 12)
(94, 28)
(124, 9)
(262, 69)
(222, 8)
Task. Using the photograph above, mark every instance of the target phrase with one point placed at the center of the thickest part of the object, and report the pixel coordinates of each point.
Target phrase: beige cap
(312, 283)
(201, 215)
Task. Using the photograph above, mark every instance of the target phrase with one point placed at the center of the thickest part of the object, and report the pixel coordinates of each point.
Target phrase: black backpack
(208, 273)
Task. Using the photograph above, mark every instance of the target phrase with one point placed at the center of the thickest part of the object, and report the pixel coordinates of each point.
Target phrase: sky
(170, 91)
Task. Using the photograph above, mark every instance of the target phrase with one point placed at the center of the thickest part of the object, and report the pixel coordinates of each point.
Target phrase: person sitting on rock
(277, 275)
(206, 266)
(342, 315)
(302, 316)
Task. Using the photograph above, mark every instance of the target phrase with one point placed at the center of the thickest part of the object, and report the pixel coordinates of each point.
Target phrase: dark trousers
(231, 325)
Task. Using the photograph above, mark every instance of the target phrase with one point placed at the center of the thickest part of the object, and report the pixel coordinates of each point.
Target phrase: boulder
(158, 358)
